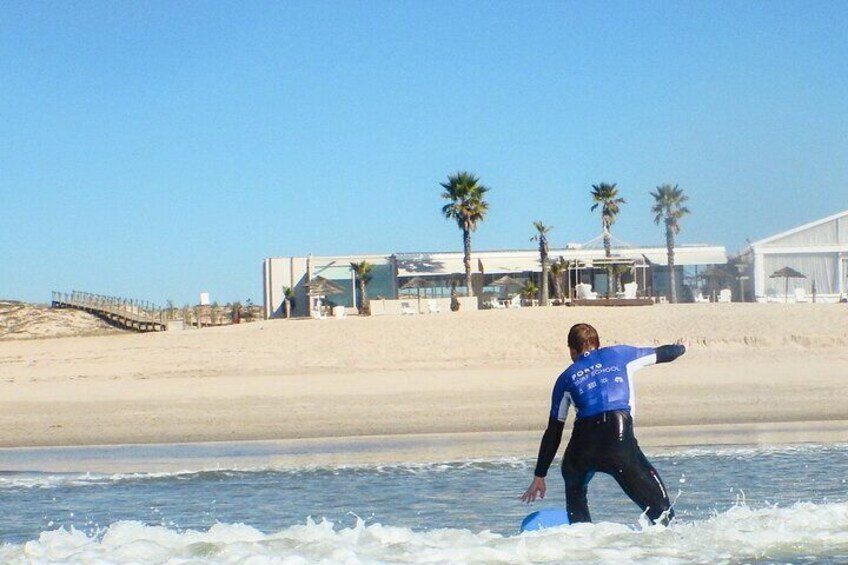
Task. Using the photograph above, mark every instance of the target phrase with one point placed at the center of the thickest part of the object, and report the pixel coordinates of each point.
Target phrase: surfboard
(542, 519)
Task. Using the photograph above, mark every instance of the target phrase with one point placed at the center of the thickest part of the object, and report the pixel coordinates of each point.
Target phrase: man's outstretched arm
(668, 353)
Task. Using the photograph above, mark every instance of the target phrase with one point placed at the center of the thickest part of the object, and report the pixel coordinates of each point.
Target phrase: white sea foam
(25, 480)
(804, 533)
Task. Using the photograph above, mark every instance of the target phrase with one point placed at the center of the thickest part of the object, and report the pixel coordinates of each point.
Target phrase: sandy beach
(473, 382)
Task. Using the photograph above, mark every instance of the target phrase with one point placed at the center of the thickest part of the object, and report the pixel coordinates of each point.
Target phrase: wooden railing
(130, 314)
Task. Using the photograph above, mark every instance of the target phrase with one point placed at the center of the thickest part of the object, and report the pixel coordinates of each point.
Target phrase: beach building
(425, 279)
(816, 255)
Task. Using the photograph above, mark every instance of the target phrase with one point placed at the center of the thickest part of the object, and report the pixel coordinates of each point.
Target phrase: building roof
(413, 264)
(518, 261)
(799, 229)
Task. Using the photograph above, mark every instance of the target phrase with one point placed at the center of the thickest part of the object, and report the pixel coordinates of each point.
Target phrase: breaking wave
(802, 533)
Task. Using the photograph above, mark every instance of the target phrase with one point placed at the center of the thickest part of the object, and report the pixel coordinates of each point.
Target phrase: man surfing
(599, 385)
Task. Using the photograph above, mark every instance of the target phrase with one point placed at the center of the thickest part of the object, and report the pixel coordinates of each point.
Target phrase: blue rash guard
(599, 381)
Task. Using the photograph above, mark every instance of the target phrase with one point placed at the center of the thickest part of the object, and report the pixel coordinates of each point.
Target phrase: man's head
(582, 338)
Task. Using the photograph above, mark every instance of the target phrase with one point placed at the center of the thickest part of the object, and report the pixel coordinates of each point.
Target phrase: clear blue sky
(159, 149)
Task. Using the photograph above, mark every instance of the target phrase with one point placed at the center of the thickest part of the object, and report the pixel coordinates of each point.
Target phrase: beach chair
(433, 306)
(584, 292)
(630, 290)
(406, 308)
(494, 303)
(800, 295)
(339, 312)
(515, 301)
(699, 297)
(317, 308)
(724, 295)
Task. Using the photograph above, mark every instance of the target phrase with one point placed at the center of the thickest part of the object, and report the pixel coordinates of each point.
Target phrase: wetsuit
(599, 384)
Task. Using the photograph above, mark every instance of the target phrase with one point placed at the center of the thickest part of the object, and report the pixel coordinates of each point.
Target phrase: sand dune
(27, 321)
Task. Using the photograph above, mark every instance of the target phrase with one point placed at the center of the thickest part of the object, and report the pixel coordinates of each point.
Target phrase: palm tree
(606, 196)
(716, 277)
(529, 290)
(542, 238)
(363, 276)
(454, 305)
(288, 295)
(668, 207)
(558, 267)
(468, 208)
(617, 271)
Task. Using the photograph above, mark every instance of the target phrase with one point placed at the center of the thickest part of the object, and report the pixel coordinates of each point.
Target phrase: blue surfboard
(542, 519)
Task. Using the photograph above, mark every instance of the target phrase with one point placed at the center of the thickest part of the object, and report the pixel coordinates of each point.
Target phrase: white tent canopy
(818, 249)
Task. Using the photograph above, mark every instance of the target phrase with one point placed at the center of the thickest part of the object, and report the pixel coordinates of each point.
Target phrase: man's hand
(536, 489)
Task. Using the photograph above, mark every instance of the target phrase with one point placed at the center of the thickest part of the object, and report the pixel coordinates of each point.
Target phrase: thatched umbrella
(787, 273)
(507, 283)
(417, 283)
(320, 287)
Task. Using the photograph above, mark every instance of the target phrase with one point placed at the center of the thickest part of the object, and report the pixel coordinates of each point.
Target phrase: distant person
(598, 383)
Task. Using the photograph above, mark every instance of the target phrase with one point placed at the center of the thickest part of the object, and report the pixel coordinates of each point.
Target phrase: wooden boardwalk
(124, 313)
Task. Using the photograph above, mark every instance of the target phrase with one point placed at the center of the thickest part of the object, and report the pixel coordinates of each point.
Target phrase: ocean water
(782, 504)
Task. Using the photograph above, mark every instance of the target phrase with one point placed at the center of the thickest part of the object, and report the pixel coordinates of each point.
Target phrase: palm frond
(467, 205)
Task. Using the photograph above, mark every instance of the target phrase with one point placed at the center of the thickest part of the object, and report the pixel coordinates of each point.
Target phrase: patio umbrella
(787, 273)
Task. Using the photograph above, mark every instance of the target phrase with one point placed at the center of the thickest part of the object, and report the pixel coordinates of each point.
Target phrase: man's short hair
(582, 337)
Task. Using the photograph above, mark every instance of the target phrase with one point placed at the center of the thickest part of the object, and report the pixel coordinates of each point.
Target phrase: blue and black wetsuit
(599, 384)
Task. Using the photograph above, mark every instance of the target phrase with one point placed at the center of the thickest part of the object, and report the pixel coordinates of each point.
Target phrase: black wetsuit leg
(590, 440)
(605, 443)
(577, 470)
(641, 482)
